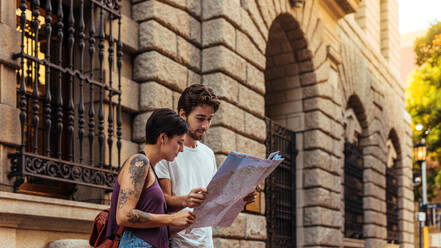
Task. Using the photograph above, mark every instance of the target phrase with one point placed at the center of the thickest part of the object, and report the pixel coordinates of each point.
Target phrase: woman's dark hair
(164, 121)
(197, 95)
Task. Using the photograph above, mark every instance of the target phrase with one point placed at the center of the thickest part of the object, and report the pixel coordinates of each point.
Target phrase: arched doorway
(288, 62)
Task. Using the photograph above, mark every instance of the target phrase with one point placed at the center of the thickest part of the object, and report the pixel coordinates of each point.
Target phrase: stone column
(10, 135)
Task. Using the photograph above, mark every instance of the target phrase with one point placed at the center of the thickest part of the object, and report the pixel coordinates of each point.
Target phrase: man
(184, 180)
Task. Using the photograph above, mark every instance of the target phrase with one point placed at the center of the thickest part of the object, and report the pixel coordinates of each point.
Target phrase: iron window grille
(392, 204)
(280, 188)
(65, 90)
(353, 191)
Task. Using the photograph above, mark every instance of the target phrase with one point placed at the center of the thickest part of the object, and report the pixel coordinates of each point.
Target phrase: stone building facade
(328, 71)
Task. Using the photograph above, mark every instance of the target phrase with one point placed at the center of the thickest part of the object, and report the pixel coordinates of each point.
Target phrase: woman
(138, 203)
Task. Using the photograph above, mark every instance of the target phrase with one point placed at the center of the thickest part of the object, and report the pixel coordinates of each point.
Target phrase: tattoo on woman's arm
(137, 216)
(137, 170)
(124, 195)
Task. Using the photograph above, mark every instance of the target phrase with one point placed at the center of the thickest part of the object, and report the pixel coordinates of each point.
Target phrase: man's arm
(176, 203)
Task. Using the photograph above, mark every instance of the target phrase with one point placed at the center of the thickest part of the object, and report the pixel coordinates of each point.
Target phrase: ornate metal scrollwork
(39, 166)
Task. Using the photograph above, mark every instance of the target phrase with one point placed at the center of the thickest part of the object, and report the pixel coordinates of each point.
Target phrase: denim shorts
(130, 240)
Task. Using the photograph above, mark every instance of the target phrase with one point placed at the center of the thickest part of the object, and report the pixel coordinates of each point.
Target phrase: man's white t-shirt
(192, 168)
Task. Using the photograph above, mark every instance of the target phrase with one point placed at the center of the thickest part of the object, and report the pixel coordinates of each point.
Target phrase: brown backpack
(98, 237)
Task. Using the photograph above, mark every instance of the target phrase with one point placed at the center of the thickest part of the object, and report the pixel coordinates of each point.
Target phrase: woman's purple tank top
(152, 201)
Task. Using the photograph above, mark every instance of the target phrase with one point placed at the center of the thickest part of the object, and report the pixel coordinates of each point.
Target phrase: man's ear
(182, 114)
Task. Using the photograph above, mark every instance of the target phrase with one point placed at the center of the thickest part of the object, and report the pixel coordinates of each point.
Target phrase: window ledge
(353, 243)
(43, 213)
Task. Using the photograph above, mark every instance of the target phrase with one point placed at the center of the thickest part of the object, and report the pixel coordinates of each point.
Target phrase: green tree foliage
(423, 99)
(428, 47)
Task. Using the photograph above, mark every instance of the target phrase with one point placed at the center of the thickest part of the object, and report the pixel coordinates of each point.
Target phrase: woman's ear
(162, 138)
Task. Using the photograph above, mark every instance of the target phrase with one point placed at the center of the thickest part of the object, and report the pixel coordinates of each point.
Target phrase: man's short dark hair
(197, 95)
(164, 121)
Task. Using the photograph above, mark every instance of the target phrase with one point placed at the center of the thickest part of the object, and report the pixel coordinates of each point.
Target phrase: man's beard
(193, 135)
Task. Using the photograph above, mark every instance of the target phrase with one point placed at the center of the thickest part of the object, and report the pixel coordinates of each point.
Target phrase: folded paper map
(237, 177)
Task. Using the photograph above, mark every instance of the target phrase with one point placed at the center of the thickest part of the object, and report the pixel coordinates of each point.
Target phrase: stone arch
(288, 60)
(395, 141)
(354, 103)
(289, 69)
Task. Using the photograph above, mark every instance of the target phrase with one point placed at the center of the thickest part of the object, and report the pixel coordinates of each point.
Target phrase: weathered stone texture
(322, 197)
(69, 243)
(251, 101)
(323, 236)
(7, 85)
(321, 178)
(255, 79)
(252, 244)
(226, 243)
(152, 35)
(228, 112)
(154, 95)
(220, 58)
(255, 127)
(371, 203)
(374, 243)
(223, 86)
(373, 176)
(314, 216)
(229, 9)
(374, 217)
(174, 18)
(373, 190)
(256, 227)
(139, 126)
(248, 50)
(189, 54)
(218, 31)
(250, 28)
(221, 140)
(11, 122)
(236, 230)
(155, 66)
(250, 146)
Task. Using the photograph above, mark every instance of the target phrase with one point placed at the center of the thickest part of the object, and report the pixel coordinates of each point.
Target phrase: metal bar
(60, 34)
(22, 93)
(91, 110)
(115, 11)
(110, 114)
(47, 97)
(70, 103)
(81, 45)
(35, 106)
(119, 54)
(100, 108)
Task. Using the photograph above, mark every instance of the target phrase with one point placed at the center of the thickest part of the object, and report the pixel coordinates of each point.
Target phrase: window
(392, 194)
(70, 105)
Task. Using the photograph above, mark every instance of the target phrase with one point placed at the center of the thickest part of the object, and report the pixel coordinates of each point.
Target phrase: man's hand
(251, 197)
(195, 197)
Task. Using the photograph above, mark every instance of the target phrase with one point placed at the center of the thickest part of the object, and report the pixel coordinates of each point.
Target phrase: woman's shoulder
(137, 159)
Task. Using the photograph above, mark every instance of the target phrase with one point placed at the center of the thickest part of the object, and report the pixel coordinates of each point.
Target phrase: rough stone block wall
(389, 33)
(368, 18)
(168, 58)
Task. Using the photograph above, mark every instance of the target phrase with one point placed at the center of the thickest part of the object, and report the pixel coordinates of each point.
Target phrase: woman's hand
(182, 219)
